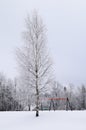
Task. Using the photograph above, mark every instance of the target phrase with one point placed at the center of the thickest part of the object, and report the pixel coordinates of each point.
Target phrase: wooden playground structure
(52, 103)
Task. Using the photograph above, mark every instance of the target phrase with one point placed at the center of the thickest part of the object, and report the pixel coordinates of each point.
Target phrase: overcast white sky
(66, 24)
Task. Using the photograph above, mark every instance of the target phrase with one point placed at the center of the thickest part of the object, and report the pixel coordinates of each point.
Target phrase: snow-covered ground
(58, 120)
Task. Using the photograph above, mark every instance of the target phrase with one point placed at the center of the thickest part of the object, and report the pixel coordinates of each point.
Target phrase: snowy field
(58, 120)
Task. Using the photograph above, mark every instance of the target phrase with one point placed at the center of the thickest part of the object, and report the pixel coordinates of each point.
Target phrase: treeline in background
(14, 97)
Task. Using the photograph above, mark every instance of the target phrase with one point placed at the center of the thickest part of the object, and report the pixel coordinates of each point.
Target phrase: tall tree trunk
(37, 93)
(37, 102)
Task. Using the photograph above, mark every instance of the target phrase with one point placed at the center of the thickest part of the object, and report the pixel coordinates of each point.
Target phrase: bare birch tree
(33, 58)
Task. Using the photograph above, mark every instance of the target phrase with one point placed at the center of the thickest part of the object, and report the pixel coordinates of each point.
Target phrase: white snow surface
(58, 120)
